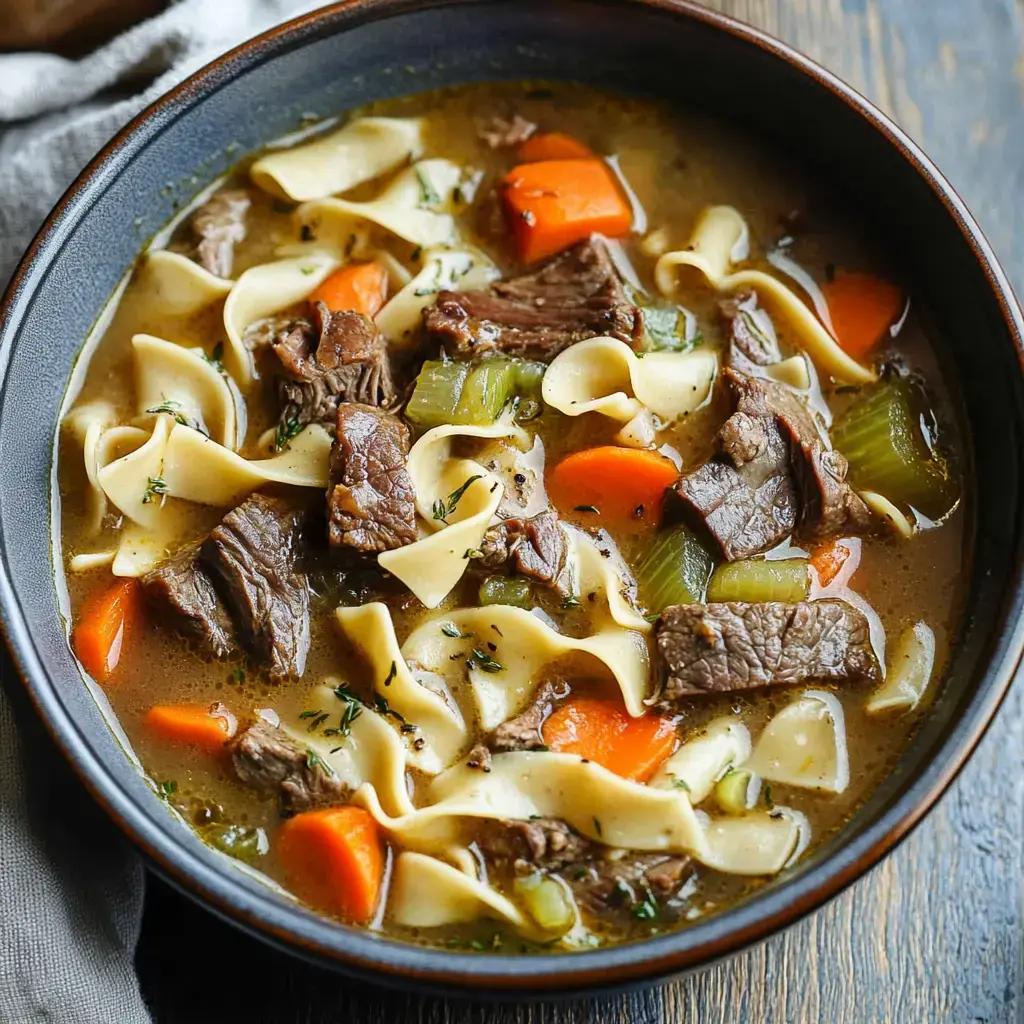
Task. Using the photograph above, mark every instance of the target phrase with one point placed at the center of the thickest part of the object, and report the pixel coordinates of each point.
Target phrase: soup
(516, 519)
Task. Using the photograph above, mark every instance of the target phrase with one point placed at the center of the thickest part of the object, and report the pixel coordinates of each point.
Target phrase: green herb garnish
(450, 629)
(156, 486)
(483, 661)
(286, 431)
(165, 790)
(428, 194)
(444, 507)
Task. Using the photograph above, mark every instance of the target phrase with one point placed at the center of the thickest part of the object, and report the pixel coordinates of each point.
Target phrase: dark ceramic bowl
(366, 49)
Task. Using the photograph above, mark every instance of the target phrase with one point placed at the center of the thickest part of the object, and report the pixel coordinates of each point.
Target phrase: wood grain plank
(935, 932)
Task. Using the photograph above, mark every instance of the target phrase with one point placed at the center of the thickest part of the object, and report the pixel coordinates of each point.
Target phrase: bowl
(342, 56)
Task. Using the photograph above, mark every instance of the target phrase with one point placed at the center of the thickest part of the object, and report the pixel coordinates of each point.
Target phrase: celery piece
(512, 590)
(242, 842)
(529, 377)
(756, 579)
(436, 395)
(732, 791)
(547, 900)
(488, 387)
(882, 438)
(675, 571)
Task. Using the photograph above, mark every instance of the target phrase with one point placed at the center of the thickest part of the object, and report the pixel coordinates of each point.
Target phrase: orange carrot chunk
(625, 485)
(828, 560)
(334, 860)
(360, 287)
(862, 308)
(557, 203)
(553, 146)
(602, 731)
(198, 725)
(104, 626)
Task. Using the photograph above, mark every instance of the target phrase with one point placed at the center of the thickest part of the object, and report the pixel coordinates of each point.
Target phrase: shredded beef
(829, 505)
(739, 646)
(348, 364)
(523, 731)
(273, 330)
(218, 225)
(622, 884)
(370, 500)
(268, 759)
(543, 842)
(536, 548)
(252, 558)
(180, 586)
(576, 295)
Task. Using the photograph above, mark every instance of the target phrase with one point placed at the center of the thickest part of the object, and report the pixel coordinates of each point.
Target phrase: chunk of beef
(775, 474)
(502, 133)
(609, 884)
(746, 496)
(370, 500)
(543, 842)
(218, 225)
(828, 504)
(576, 295)
(181, 587)
(523, 731)
(273, 330)
(536, 548)
(349, 364)
(752, 341)
(739, 646)
(252, 558)
(268, 759)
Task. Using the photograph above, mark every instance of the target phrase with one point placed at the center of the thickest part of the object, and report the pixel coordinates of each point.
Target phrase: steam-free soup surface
(612, 670)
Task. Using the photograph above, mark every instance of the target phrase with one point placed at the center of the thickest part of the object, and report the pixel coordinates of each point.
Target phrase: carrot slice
(103, 628)
(623, 484)
(360, 287)
(602, 731)
(862, 308)
(553, 146)
(557, 203)
(334, 859)
(828, 560)
(199, 725)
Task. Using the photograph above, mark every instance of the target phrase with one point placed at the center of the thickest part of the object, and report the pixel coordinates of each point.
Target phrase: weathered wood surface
(936, 932)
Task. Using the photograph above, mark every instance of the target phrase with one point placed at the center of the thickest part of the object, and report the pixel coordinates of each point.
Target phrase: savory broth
(676, 167)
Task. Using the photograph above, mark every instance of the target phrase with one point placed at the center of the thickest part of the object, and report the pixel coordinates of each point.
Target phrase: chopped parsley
(286, 431)
(238, 675)
(314, 760)
(382, 706)
(428, 194)
(444, 507)
(571, 602)
(450, 629)
(156, 486)
(473, 553)
(317, 721)
(483, 661)
(653, 617)
(309, 714)
(353, 709)
(165, 790)
(172, 408)
(645, 909)
(216, 359)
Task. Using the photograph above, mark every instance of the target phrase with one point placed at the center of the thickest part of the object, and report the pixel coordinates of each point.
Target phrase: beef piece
(749, 496)
(537, 548)
(543, 842)
(576, 295)
(268, 759)
(218, 225)
(479, 757)
(273, 330)
(500, 133)
(739, 646)
(752, 340)
(608, 884)
(349, 364)
(523, 731)
(370, 500)
(182, 588)
(828, 504)
(252, 558)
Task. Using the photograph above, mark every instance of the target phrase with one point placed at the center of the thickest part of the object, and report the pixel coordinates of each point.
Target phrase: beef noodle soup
(516, 518)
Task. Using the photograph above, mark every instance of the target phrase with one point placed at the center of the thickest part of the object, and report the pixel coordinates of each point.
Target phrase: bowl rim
(355, 950)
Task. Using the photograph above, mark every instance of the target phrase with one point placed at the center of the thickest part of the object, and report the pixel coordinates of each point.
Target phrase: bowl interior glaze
(340, 58)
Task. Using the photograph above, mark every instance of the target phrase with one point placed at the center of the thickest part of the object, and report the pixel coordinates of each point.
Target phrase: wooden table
(935, 932)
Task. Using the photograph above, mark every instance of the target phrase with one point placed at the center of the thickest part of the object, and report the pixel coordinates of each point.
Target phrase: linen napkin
(71, 890)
